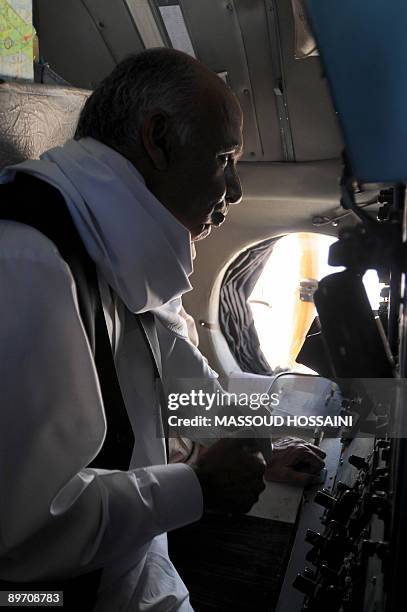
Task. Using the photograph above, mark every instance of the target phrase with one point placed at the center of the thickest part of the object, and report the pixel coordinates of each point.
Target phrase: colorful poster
(16, 40)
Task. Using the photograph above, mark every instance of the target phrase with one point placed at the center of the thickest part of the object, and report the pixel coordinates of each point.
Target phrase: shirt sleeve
(57, 517)
(188, 376)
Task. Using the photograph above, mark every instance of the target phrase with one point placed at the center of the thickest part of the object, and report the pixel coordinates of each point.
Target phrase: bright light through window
(281, 318)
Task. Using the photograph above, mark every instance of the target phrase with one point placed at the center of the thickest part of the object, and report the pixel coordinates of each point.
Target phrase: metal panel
(116, 25)
(253, 23)
(313, 121)
(144, 18)
(279, 81)
(291, 599)
(82, 41)
(218, 41)
(71, 43)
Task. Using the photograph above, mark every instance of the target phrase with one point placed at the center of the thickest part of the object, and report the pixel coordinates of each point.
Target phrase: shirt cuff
(180, 498)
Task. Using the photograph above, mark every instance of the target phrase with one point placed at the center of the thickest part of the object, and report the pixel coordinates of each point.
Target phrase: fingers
(244, 452)
(231, 476)
(318, 451)
(291, 442)
(306, 460)
(307, 467)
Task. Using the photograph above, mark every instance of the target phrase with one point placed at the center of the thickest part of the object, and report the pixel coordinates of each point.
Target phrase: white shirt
(56, 515)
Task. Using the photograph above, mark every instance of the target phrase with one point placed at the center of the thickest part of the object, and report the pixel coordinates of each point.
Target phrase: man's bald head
(180, 125)
(157, 79)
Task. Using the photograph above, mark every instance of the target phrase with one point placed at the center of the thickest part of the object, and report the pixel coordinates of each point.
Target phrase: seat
(35, 118)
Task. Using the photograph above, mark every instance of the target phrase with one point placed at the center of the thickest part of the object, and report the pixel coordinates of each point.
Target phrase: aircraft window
(281, 300)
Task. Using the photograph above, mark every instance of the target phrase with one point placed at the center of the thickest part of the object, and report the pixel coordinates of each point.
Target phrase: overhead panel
(83, 40)
(314, 125)
(71, 42)
(219, 42)
(265, 78)
(116, 25)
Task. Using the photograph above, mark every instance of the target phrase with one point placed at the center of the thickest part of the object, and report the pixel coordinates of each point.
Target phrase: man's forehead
(232, 132)
(220, 115)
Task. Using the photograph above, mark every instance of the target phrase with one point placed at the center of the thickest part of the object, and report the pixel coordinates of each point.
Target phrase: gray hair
(153, 79)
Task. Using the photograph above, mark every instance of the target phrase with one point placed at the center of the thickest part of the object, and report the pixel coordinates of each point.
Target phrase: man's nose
(233, 187)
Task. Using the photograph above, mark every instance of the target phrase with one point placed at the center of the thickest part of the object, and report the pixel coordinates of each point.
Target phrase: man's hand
(294, 460)
(231, 476)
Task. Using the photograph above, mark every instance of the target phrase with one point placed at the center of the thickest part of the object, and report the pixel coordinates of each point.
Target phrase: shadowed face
(205, 175)
(198, 180)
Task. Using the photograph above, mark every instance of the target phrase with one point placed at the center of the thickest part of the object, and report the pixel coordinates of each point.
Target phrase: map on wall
(16, 40)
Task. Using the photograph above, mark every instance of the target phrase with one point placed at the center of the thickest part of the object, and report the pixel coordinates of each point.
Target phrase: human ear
(156, 134)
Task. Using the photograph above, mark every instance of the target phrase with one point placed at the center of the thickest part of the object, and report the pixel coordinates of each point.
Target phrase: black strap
(36, 203)
(118, 445)
(146, 321)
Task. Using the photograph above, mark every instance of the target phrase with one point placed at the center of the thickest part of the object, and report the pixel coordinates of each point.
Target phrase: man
(153, 167)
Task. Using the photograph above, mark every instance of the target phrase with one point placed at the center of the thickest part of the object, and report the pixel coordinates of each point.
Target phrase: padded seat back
(35, 118)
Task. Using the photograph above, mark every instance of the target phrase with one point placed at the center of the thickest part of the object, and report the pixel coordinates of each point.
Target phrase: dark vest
(36, 203)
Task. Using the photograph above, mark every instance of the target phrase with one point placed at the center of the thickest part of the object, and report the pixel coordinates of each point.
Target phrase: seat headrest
(35, 118)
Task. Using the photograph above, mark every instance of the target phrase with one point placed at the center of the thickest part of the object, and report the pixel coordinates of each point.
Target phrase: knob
(312, 556)
(309, 573)
(377, 502)
(382, 444)
(324, 499)
(346, 505)
(329, 574)
(358, 462)
(332, 598)
(381, 471)
(338, 528)
(305, 585)
(381, 483)
(315, 538)
(386, 453)
(341, 487)
(372, 547)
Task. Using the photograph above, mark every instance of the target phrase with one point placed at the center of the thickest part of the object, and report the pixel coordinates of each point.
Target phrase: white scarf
(140, 248)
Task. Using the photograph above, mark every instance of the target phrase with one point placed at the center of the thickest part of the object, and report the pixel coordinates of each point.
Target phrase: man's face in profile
(201, 181)
(211, 179)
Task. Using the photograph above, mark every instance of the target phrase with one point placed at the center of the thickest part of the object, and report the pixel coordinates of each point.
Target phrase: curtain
(235, 316)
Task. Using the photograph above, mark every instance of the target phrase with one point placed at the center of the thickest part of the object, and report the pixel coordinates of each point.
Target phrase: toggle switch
(358, 462)
(315, 538)
(305, 585)
(325, 499)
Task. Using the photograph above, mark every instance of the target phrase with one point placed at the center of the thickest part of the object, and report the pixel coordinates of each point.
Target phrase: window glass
(281, 301)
